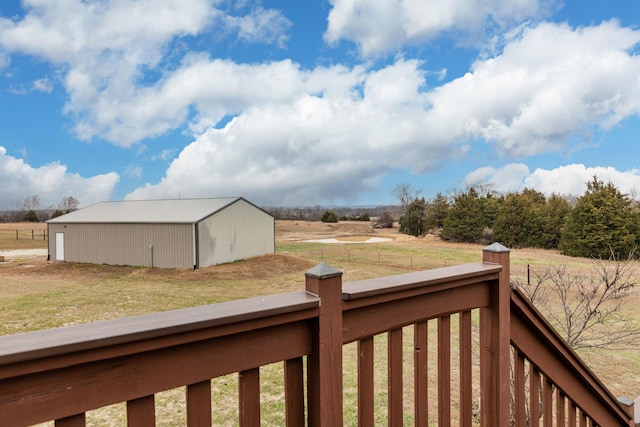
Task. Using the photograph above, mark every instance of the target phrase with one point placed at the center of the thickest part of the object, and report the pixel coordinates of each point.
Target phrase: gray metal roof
(148, 211)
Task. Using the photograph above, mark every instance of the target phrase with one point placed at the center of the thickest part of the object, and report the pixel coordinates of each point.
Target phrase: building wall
(125, 244)
(239, 231)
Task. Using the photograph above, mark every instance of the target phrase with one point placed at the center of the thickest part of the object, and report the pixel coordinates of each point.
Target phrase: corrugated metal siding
(238, 231)
(126, 244)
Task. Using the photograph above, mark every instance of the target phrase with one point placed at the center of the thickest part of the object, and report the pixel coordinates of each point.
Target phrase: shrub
(329, 216)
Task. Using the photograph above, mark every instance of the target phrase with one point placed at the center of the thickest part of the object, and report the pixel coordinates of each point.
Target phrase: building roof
(148, 211)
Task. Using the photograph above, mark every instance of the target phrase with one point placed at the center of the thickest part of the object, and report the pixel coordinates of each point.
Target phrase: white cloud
(133, 171)
(572, 179)
(301, 135)
(5, 60)
(51, 183)
(380, 26)
(540, 95)
(550, 86)
(261, 25)
(311, 148)
(164, 155)
(105, 48)
(569, 180)
(43, 85)
(503, 180)
(78, 32)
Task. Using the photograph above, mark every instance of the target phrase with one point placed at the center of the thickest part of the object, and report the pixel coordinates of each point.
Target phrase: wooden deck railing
(503, 364)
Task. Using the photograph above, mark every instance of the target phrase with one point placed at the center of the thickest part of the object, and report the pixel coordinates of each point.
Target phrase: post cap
(323, 271)
(496, 247)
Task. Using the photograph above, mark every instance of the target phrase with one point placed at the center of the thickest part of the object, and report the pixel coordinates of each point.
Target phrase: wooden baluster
(573, 420)
(444, 371)
(395, 379)
(294, 391)
(420, 372)
(547, 399)
(141, 412)
(583, 418)
(466, 379)
(534, 396)
(560, 408)
(72, 421)
(249, 390)
(199, 404)
(519, 390)
(365, 383)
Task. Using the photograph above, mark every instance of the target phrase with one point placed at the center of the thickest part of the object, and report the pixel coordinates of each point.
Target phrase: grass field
(37, 294)
(23, 235)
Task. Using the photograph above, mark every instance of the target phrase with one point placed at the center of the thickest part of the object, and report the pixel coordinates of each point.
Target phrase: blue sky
(320, 102)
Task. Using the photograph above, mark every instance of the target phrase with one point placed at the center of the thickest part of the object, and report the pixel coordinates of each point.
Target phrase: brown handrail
(61, 372)
(535, 340)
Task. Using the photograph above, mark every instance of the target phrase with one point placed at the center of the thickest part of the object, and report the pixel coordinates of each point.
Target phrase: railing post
(628, 406)
(495, 359)
(325, 362)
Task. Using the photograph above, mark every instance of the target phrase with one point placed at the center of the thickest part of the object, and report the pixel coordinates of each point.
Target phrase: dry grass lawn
(37, 294)
(22, 235)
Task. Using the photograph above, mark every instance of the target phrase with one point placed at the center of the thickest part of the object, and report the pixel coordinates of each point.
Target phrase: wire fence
(363, 256)
(23, 234)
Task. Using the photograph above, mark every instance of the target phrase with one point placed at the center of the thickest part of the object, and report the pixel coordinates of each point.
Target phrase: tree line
(29, 210)
(600, 222)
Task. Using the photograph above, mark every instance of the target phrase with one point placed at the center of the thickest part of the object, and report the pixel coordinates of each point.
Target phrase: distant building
(181, 233)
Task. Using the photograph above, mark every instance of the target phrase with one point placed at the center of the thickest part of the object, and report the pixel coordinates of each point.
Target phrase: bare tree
(19, 208)
(68, 204)
(32, 203)
(406, 194)
(587, 310)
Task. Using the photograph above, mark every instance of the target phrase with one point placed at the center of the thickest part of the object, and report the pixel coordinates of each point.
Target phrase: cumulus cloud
(261, 25)
(51, 183)
(551, 86)
(326, 133)
(380, 26)
(503, 180)
(540, 95)
(328, 147)
(568, 180)
(106, 49)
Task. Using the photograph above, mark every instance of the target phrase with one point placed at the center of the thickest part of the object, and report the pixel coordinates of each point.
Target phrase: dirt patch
(260, 267)
(297, 231)
(351, 239)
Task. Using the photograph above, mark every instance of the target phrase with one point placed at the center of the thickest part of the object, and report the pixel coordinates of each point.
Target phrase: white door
(59, 246)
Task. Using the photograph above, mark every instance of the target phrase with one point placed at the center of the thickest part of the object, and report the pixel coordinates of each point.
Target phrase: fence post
(325, 361)
(495, 359)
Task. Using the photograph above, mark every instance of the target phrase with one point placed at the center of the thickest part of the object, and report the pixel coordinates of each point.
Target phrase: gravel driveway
(24, 253)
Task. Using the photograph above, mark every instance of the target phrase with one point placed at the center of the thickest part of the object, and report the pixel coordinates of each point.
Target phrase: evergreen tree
(412, 221)
(329, 216)
(552, 218)
(31, 216)
(57, 213)
(436, 212)
(518, 224)
(467, 218)
(602, 222)
(528, 219)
